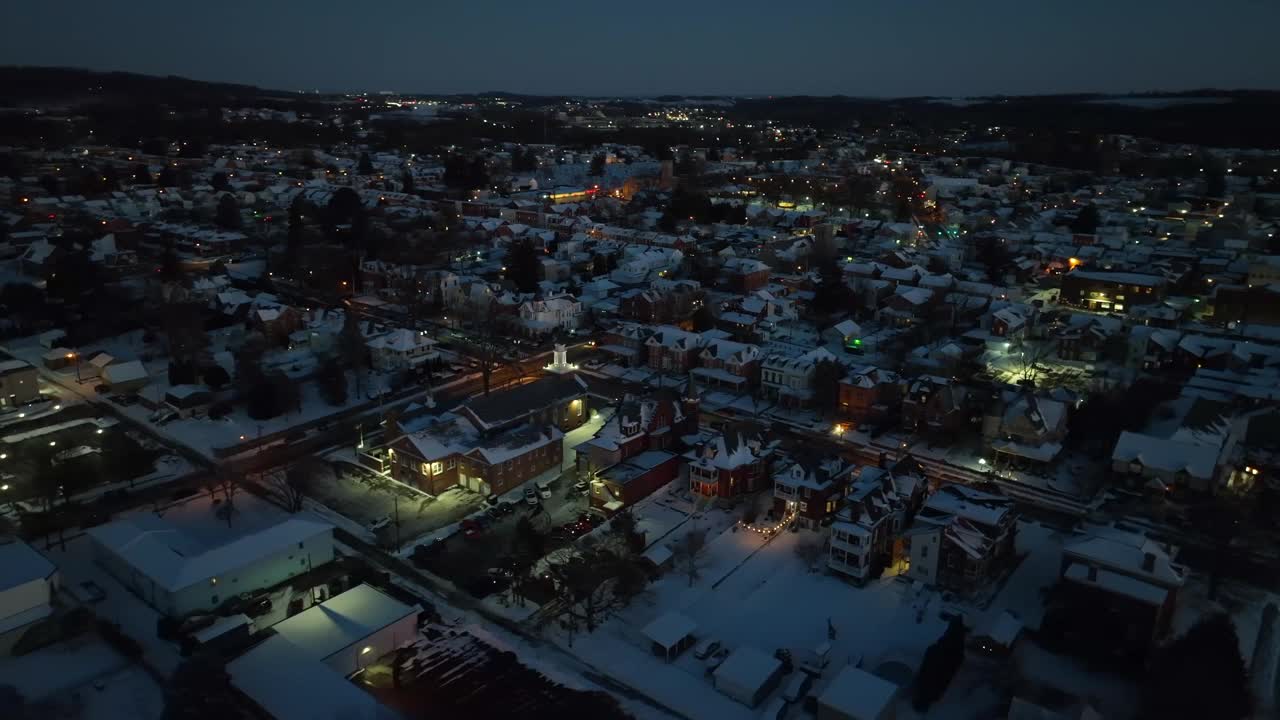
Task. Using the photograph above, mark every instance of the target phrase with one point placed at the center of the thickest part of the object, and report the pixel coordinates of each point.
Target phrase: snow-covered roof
(20, 564)
(1164, 454)
(343, 620)
(1116, 583)
(855, 693)
(747, 668)
(290, 685)
(173, 561)
(668, 629)
(1126, 552)
(125, 372)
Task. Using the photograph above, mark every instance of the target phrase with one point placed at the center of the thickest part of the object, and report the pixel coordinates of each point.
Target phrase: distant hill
(21, 85)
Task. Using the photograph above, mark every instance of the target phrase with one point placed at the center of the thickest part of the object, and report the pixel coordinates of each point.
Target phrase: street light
(982, 461)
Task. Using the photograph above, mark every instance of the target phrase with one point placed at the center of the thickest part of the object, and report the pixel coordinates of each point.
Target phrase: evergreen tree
(596, 168)
(228, 212)
(1086, 221)
(1199, 675)
(523, 266)
(406, 182)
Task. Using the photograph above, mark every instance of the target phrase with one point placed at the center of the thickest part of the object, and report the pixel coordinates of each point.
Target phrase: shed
(126, 376)
(670, 634)
(999, 634)
(748, 675)
(856, 694)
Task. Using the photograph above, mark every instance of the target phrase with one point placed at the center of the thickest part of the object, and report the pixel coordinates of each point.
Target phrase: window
(804, 507)
(924, 551)
(302, 562)
(437, 468)
(426, 469)
(451, 463)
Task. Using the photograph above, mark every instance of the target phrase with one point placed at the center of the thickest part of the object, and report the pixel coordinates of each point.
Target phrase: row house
(657, 422)
(735, 461)
(812, 488)
(746, 274)
(673, 350)
(788, 379)
(938, 405)
(907, 306)
(962, 539)
(869, 395)
(665, 302)
(626, 344)
(866, 536)
(728, 364)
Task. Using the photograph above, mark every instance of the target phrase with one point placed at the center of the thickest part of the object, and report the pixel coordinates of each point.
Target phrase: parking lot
(75, 449)
(366, 498)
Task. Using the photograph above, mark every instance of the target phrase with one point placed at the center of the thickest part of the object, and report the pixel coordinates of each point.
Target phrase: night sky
(853, 47)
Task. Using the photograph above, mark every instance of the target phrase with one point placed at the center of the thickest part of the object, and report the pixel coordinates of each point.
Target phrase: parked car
(494, 512)
(493, 500)
(706, 648)
(797, 687)
(716, 659)
(259, 607)
(531, 496)
(544, 490)
(500, 572)
(471, 528)
(507, 508)
(581, 487)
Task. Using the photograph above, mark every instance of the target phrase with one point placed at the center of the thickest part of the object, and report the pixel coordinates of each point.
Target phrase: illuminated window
(426, 469)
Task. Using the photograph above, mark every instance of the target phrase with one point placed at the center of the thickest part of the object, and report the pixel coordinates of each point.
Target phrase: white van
(776, 710)
(797, 687)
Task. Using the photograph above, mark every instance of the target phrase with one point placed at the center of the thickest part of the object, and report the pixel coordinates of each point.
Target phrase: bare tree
(591, 583)
(229, 484)
(689, 554)
(810, 551)
(296, 483)
(1029, 356)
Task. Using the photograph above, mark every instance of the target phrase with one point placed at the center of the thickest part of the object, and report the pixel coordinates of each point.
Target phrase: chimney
(1148, 562)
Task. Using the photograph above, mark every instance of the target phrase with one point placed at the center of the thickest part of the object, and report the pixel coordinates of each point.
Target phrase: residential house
(962, 539)
(866, 536)
(788, 379)
(937, 405)
(869, 394)
(402, 349)
(541, 317)
(735, 461)
(1024, 429)
(811, 488)
(746, 274)
(1128, 583)
(1111, 291)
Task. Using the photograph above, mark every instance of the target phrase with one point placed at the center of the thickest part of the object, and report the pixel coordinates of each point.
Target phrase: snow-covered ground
(757, 593)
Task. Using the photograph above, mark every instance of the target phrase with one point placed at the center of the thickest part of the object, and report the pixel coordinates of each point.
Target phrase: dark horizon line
(1190, 92)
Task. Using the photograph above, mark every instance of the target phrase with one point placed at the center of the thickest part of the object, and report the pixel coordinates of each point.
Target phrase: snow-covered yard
(758, 593)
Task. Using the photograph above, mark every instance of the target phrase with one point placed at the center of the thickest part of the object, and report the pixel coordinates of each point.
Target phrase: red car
(471, 528)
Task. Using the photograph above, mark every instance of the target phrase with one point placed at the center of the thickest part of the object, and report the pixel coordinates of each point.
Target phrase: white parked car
(544, 490)
(706, 648)
(531, 496)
